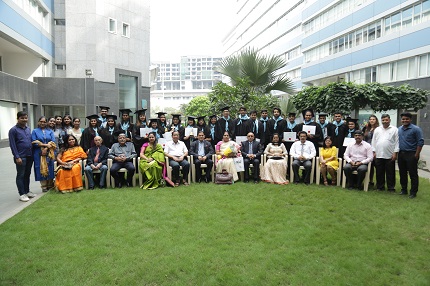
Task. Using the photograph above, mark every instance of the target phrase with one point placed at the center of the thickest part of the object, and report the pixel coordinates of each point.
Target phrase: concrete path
(9, 198)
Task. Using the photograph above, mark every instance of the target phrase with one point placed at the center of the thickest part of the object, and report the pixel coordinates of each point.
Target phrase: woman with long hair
(141, 122)
(368, 131)
(109, 132)
(69, 176)
(44, 146)
(90, 132)
(328, 161)
(226, 150)
(275, 169)
(152, 162)
(76, 130)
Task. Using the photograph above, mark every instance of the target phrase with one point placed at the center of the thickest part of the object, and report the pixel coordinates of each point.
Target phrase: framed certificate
(309, 129)
(290, 136)
(145, 131)
(190, 132)
(347, 141)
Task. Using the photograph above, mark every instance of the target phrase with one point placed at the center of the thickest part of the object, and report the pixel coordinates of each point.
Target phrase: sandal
(177, 183)
(325, 183)
(333, 183)
(185, 183)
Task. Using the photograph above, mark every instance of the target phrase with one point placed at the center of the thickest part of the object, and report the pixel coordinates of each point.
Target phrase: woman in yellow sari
(328, 161)
(69, 177)
(152, 162)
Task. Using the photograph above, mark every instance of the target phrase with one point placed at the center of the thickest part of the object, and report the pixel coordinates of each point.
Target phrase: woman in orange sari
(69, 177)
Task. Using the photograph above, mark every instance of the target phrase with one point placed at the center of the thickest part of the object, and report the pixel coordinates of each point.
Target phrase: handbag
(224, 178)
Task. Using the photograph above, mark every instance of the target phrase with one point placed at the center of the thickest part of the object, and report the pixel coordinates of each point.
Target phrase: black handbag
(224, 178)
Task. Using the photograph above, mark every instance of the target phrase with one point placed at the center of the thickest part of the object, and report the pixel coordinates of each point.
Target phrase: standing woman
(108, 133)
(201, 124)
(76, 130)
(140, 123)
(152, 162)
(210, 130)
(58, 131)
(90, 133)
(69, 177)
(43, 140)
(162, 123)
(67, 123)
(368, 131)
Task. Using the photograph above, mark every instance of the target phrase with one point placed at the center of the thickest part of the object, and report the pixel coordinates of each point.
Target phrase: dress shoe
(412, 196)
(380, 189)
(246, 181)
(403, 193)
(129, 184)
(91, 188)
(208, 180)
(119, 185)
(199, 180)
(392, 190)
(255, 181)
(102, 187)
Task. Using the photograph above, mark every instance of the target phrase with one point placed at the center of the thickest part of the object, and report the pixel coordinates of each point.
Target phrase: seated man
(202, 152)
(122, 154)
(357, 156)
(97, 160)
(302, 151)
(177, 152)
(251, 153)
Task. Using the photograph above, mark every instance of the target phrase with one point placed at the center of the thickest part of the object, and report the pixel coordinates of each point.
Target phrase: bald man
(97, 160)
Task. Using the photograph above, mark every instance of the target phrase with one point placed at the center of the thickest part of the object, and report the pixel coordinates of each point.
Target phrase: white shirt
(175, 149)
(308, 150)
(385, 141)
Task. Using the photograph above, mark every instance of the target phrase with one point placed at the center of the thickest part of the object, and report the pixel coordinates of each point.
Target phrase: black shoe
(102, 187)
(380, 189)
(403, 193)
(208, 180)
(392, 190)
(412, 196)
(246, 181)
(255, 181)
(91, 188)
(119, 185)
(296, 183)
(350, 188)
(199, 181)
(129, 184)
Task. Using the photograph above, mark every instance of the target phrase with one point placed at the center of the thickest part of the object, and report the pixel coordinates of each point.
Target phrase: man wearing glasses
(251, 153)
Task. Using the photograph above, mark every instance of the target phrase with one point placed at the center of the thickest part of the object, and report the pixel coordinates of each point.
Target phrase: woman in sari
(226, 150)
(328, 161)
(43, 140)
(69, 176)
(151, 162)
(275, 169)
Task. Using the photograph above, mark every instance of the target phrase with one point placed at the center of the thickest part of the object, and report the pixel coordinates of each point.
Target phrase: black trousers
(208, 169)
(408, 164)
(255, 170)
(385, 168)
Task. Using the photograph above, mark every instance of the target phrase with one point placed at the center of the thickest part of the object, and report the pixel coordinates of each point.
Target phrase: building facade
(348, 40)
(179, 82)
(69, 57)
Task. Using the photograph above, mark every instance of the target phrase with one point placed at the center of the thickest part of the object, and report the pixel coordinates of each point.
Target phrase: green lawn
(209, 234)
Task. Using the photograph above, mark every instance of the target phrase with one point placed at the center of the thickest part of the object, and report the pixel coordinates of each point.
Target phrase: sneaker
(24, 198)
(30, 195)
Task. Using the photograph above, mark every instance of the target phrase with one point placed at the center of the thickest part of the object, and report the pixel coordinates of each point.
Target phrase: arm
(12, 144)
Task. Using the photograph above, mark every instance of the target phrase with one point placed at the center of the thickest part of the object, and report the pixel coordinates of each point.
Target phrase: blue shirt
(20, 142)
(410, 138)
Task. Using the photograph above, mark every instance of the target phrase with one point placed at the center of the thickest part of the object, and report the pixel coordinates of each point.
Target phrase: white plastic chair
(96, 172)
(169, 169)
(302, 168)
(203, 166)
(122, 170)
(338, 174)
(366, 178)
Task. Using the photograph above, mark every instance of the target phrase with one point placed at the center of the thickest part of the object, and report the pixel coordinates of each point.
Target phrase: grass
(208, 234)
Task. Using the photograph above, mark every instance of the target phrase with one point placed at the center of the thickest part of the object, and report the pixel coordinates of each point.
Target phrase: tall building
(69, 57)
(179, 82)
(348, 40)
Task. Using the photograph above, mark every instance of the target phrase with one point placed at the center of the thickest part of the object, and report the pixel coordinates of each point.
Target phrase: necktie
(96, 158)
(250, 147)
(303, 150)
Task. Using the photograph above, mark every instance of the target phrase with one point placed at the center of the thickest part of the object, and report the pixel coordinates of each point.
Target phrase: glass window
(372, 32)
(423, 65)
(341, 44)
(365, 35)
(395, 22)
(60, 22)
(368, 75)
(412, 71)
(378, 29)
(127, 92)
(387, 25)
(402, 69)
(112, 25)
(417, 14)
(385, 75)
(335, 46)
(407, 18)
(425, 10)
(358, 36)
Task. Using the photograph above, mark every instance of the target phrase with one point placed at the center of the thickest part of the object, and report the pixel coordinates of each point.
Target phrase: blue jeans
(23, 173)
(89, 173)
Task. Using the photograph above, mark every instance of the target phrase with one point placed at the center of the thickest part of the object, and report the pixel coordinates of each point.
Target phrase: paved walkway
(9, 198)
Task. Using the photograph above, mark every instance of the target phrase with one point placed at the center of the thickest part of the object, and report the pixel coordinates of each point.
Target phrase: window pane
(395, 22)
(372, 32)
(384, 75)
(412, 73)
(423, 65)
(127, 92)
(341, 44)
(387, 25)
(402, 70)
(426, 11)
(407, 18)
(417, 14)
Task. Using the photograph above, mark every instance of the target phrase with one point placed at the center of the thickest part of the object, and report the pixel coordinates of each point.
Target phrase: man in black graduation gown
(125, 125)
(276, 124)
(224, 123)
(242, 124)
(265, 136)
(327, 128)
(308, 116)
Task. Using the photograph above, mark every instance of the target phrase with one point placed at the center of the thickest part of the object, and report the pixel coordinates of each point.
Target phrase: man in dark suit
(97, 160)
(202, 152)
(251, 153)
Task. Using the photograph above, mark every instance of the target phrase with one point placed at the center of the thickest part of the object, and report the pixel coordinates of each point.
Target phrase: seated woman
(275, 169)
(328, 161)
(69, 177)
(152, 162)
(226, 150)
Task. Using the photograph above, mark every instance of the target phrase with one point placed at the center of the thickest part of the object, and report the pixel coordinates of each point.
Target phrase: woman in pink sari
(226, 150)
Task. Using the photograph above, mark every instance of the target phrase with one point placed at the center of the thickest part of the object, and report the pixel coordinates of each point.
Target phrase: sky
(189, 27)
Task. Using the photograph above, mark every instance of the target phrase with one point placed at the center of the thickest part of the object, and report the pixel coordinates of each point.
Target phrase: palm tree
(258, 70)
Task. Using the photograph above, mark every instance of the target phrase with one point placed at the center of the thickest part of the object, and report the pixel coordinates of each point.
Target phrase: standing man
(242, 124)
(224, 123)
(327, 128)
(385, 143)
(276, 124)
(202, 152)
(251, 153)
(411, 142)
(177, 153)
(21, 147)
(308, 116)
(102, 120)
(122, 154)
(291, 126)
(97, 160)
(302, 151)
(125, 125)
(339, 133)
(265, 136)
(357, 156)
(256, 125)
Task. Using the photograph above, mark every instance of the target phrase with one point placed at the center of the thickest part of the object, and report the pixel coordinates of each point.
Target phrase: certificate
(162, 142)
(240, 139)
(190, 132)
(309, 129)
(168, 136)
(348, 141)
(145, 131)
(290, 136)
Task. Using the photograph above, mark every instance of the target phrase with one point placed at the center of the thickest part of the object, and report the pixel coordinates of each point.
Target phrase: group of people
(62, 139)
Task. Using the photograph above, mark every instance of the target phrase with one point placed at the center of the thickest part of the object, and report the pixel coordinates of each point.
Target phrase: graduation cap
(225, 108)
(212, 116)
(152, 120)
(125, 111)
(176, 116)
(292, 114)
(349, 119)
(140, 112)
(263, 110)
(161, 113)
(322, 114)
(93, 116)
(118, 132)
(104, 108)
(310, 110)
(201, 117)
(111, 116)
(192, 118)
